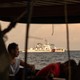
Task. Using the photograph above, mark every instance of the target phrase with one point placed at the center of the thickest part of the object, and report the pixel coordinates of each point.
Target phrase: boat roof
(44, 11)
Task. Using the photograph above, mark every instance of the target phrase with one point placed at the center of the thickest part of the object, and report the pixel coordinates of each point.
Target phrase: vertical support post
(67, 36)
(29, 14)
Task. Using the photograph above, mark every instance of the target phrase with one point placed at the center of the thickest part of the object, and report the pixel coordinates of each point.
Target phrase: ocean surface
(41, 59)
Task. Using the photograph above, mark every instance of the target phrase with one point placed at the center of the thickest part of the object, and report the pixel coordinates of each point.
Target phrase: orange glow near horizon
(44, 31)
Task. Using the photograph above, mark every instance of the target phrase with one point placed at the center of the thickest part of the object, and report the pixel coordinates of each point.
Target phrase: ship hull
(52, 50)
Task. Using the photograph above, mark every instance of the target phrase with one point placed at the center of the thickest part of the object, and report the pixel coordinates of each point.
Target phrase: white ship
(45, 48)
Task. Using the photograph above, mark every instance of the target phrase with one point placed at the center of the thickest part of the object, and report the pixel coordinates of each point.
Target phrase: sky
(40, 32)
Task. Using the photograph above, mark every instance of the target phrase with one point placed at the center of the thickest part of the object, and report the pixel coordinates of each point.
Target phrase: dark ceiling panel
(49, 13)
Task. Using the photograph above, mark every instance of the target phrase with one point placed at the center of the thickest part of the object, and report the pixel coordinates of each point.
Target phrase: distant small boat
(45, 48)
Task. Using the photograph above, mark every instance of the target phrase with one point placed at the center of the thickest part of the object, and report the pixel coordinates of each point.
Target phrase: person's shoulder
(18, 59)
(55, 63)
(58, 63)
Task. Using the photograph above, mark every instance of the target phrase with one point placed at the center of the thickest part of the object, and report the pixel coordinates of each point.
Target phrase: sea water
(41, 59)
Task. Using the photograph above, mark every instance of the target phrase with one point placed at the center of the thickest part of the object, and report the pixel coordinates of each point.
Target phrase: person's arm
(32, 67)
(11, 26)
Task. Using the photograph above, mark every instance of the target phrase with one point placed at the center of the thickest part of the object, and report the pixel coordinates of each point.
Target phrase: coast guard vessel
(45, 48)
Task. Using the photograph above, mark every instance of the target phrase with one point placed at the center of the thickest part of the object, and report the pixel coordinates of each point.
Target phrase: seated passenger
(15, 62)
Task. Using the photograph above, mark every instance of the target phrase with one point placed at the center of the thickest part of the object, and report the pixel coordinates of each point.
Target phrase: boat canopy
(44, 11)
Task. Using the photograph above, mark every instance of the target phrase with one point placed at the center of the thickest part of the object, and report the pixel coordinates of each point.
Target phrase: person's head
(13, 49)
(71, 66)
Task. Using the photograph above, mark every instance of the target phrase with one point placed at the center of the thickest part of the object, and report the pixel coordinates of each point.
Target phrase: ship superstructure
(45, 48)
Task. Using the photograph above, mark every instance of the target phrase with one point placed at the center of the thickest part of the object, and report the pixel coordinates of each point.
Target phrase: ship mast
(46, 41)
